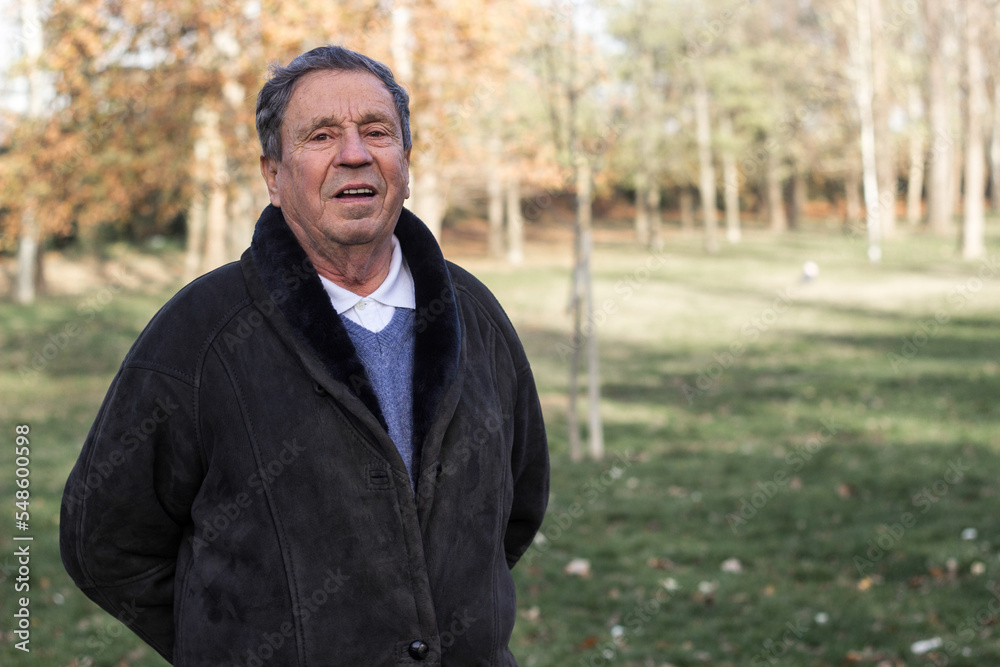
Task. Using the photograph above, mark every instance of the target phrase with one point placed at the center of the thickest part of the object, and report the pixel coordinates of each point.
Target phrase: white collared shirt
(374, 311)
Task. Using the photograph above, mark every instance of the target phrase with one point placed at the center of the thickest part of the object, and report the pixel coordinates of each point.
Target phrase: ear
(406, 158)
(269, 170)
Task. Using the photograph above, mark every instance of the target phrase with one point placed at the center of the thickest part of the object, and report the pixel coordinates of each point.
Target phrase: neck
(358, 269)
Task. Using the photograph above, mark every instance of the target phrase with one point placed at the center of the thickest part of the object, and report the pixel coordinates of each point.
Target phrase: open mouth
(356, 193)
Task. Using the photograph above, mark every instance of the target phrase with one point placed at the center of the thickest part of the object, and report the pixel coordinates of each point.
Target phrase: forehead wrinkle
(368, 107)
(334, 121)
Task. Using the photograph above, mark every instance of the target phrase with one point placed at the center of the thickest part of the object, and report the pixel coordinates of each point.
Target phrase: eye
(322, 136)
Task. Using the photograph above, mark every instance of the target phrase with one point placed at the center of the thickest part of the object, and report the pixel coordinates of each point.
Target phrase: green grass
(828, 443)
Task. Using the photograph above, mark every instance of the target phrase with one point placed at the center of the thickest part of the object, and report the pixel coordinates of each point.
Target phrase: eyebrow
(330, 121)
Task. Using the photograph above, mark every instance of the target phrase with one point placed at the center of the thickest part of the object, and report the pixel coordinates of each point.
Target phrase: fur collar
(289, 275)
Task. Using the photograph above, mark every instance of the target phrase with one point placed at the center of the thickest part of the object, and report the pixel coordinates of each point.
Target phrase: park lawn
(828, 441)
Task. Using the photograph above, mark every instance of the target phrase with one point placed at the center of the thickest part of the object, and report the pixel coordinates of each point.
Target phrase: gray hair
(273, 98)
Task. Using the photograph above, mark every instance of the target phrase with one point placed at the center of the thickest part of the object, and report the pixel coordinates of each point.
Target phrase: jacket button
(318, 388)
(419, 650)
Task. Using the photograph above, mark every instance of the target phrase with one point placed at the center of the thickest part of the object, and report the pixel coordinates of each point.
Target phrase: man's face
(343, 173)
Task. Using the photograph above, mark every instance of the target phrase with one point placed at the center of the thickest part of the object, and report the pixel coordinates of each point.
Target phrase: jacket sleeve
(529, 467)
(127, 501)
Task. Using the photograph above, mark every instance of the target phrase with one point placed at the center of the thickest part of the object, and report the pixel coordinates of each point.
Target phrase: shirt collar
(396, 290)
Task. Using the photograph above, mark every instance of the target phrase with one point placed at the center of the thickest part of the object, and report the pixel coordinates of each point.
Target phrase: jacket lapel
(290, 281)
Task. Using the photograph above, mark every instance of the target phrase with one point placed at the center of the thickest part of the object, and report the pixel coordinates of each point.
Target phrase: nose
(353, 152)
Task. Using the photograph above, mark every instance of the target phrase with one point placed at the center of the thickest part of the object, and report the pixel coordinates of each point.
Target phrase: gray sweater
(388, 359)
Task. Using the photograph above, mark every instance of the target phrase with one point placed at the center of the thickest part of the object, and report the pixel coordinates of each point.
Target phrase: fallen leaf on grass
(670, 584)
(732, 565)
(531, 614)
(579, 567)
(925, 645)
(660, 563)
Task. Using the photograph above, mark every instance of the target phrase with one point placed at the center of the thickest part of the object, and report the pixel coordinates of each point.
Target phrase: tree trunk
(686, 203)
(243, 210)
(973, 243)
(576, 309)
(655, 217)
(195, 242)
(731, 183)
(881, 104)
(915, 181)
(995, 151)
(939, 197)
(494, 192)
(642, 208)
(427, 198)
(775, 200)
(957, 170)
(646, 174)
(402, 42)
(27, 256)
(868, 157)
(207, 216)
(30, 246)
(584, 213)
(797, 197)
(515, 223)
(573, 387)
(242, 215)
(706, 167)
(852, 199)
(216, 222)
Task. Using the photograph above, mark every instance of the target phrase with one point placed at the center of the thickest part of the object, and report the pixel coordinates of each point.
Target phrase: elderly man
(330, 452)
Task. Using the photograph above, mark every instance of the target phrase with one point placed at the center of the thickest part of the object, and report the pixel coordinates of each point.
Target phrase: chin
(357, 232)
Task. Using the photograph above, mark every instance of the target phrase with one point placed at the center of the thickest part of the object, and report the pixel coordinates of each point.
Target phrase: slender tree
(973, 229)
(29, 247)
(706, 165)
(865, 94)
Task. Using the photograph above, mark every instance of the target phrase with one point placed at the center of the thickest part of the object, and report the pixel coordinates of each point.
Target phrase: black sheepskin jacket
(239, 502)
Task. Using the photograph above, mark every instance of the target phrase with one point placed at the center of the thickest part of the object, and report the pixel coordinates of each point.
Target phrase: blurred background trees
(128, 120)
